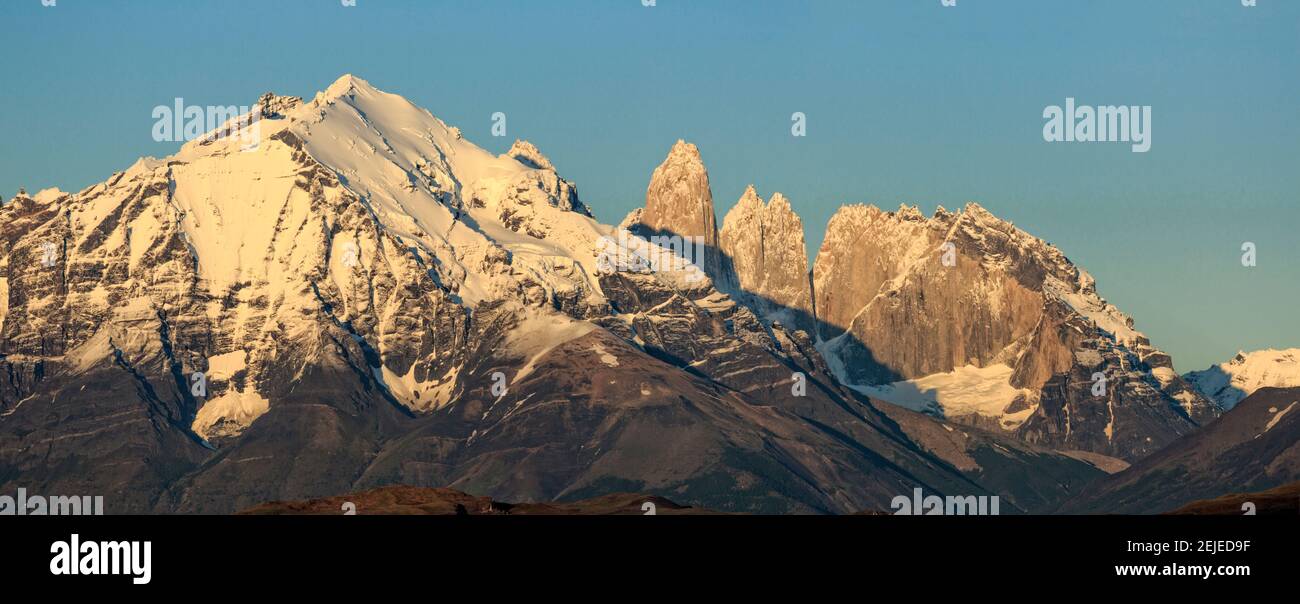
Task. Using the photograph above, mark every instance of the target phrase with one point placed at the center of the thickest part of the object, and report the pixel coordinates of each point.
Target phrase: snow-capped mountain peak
(456, 201)
(529, 155)
(356, 208)
(1229, 382)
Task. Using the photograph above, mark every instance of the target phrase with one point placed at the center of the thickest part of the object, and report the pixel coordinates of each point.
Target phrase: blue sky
(907, 102)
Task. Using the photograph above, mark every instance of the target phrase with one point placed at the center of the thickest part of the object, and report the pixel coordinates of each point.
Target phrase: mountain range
(364, 298)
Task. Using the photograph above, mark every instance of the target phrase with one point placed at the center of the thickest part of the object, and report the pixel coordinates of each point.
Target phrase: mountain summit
(1228, 383)
(679, 202)
(767, 260)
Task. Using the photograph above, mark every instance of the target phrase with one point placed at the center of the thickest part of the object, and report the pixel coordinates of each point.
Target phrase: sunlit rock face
(964, 315)
(763, 248)
(679, 202)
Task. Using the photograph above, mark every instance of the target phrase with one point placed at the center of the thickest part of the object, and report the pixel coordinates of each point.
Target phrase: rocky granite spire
(763, 245)
(679, 202)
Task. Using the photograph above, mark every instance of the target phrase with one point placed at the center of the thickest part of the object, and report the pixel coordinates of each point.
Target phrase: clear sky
(907, 101)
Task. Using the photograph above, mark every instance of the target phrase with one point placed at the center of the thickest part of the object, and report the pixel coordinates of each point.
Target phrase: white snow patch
(48, 195)
(229, 414)
(538, 333)
(1278, 415)
(234, 410)
(1164, 375)
(966, 390)
(1106, 316)
(605, 357)
(225, 366)
(1187, 401)
(89, 354)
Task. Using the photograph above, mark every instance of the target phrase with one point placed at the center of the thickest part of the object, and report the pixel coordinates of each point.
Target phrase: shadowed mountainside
(1253, 447)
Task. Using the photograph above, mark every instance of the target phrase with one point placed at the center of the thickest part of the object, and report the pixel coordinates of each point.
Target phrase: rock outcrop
(901, 297)
(763, 246)
(679, 203)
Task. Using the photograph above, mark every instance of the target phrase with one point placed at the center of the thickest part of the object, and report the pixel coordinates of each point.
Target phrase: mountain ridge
(1253, 447)
(369, 299)
(1229, 382)
(959, 314)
